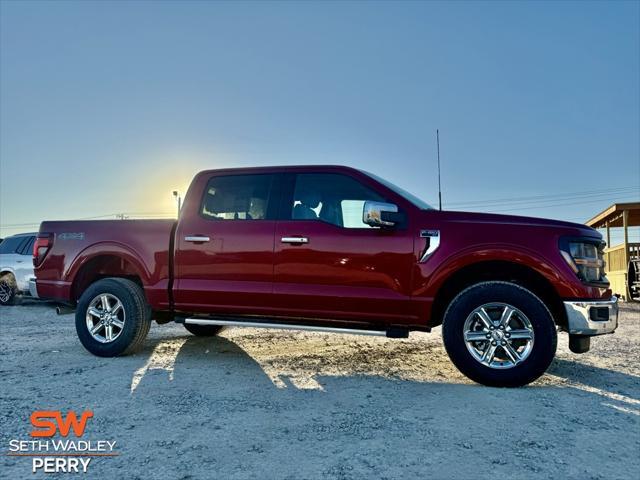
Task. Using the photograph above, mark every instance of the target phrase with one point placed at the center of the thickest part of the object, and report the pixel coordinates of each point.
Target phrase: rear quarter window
(27, 247)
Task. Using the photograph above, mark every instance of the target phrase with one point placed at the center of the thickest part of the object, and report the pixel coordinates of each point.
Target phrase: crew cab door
(224, 245)
(328, 263)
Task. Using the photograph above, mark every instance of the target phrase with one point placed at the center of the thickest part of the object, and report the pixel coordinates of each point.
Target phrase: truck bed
(83, 249)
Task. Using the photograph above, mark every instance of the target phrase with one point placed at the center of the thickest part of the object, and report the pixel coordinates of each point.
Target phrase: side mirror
(380, 214)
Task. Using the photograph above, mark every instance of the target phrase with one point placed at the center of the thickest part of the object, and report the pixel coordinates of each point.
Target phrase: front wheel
(499, 334)
(112, 317)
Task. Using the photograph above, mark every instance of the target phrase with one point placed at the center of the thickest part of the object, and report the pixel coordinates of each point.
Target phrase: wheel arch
(497, 270)
(7, 270)
(101, 262)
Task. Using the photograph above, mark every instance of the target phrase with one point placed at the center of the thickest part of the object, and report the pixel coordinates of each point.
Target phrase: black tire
(8, 289)
(203, 330)
(137, 320)
(544, 339)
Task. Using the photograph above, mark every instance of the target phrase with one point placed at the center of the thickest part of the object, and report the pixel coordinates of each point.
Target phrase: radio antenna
(439, 187)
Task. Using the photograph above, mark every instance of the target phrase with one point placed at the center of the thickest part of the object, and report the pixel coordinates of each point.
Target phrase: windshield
(421, 204)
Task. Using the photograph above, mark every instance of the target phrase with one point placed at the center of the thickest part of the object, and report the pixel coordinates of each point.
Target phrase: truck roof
(281, 168)
(30, 234)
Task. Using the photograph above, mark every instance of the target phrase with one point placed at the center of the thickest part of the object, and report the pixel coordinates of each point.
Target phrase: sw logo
(46, 427)
(50, 449)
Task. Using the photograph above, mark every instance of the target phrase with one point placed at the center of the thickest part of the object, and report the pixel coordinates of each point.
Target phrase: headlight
(586, 260)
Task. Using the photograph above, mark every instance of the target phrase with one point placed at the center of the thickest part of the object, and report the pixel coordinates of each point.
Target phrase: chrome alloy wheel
(105, 318)
(5, 291)
(498, 335)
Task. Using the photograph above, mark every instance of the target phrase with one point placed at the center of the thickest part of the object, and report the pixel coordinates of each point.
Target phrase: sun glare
(154, 197)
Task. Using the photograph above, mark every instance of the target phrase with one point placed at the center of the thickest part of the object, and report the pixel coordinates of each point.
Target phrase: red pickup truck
(333, 249)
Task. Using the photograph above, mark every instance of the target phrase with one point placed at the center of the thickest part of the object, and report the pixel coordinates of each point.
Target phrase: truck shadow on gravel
(336, 414)
(597, 378)
(221, 367)
(273, 406)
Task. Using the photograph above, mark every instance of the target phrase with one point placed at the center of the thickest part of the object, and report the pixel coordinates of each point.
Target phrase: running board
(392, 332)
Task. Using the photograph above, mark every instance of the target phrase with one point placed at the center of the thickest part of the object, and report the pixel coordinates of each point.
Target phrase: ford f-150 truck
(333, 249)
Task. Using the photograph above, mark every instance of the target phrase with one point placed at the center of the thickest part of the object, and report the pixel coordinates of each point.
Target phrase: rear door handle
(296, 240)
(196, 238)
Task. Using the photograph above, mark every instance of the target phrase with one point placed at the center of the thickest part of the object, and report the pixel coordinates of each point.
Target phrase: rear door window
(238, 197)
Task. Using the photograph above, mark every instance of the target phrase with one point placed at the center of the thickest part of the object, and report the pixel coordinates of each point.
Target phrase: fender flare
(477, 254)
(5, 270)
(107, 248)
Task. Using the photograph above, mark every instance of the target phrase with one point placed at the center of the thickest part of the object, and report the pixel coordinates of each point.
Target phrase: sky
(106, 107)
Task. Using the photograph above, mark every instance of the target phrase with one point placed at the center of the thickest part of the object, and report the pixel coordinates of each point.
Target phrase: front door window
(331, 198)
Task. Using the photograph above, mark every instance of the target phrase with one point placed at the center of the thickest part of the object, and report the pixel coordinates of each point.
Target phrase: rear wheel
(203, 330)
(112, 317)
(499, 334)
(8, 289)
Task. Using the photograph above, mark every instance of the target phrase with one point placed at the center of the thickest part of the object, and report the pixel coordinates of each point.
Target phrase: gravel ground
(281, 405)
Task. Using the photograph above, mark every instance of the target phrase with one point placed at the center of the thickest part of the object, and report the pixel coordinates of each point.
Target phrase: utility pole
(179, 200)
(439, 187)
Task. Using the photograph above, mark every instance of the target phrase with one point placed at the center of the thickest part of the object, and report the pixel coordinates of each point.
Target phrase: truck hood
(479, 219)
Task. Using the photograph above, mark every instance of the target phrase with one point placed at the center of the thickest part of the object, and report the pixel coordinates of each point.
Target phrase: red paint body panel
(343, 272)
(362, 275)
(143, 244)
(234, 268)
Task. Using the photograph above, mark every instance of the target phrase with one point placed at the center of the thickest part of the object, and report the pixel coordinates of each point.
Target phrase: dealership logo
(58, 443)
(45, 427)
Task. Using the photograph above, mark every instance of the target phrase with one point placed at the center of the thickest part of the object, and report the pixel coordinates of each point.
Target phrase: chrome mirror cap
(372, 213)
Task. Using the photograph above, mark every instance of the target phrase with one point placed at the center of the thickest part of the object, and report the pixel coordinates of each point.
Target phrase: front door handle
(295, 240)
(196, 238)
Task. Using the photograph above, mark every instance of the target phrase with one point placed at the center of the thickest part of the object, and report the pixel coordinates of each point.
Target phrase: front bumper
(592, 317)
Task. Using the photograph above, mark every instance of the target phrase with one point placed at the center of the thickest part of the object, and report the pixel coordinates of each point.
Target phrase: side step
(393, 332)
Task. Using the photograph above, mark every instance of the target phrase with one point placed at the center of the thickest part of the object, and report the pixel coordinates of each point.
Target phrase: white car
(16, 267)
